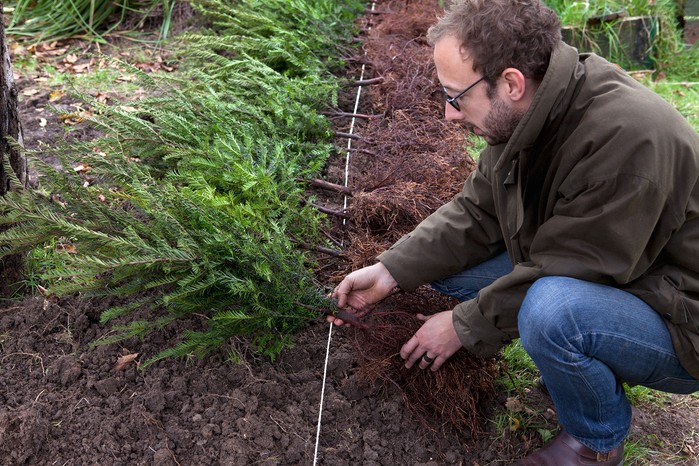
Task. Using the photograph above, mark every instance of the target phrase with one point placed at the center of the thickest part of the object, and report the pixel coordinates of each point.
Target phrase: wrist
(387, 281)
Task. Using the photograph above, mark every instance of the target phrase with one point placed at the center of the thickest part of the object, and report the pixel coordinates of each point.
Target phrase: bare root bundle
(406, 165)
(393, 210)
(363, 248)
(409, 162)
(443, 401)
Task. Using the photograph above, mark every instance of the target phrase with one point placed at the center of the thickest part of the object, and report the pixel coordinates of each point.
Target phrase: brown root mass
(407, 164)
(449, 400)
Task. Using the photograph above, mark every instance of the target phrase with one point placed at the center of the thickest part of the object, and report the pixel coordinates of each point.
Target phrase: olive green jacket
(598, 182)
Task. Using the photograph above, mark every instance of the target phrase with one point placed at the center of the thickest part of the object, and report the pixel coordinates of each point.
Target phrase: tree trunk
(11, 267)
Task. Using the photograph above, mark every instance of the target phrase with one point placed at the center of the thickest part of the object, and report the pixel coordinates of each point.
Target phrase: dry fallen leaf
(56, 95)
(75, 118)
(55, 197)
(82, 68)
(102, 97)
(640, 74)
(515, 424)
(18, 50)
(513, 404)
(67, 248)
(48, 298)
(123, 362)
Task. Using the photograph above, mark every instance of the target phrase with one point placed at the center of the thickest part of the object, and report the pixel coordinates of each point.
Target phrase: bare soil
(65, 402)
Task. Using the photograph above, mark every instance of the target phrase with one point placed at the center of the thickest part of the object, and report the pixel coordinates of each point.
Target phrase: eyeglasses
(453, 101)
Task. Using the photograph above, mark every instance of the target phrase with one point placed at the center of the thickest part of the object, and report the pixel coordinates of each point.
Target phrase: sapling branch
(318, 183)
(336, 213)
(340, 134)
(361, 151)
(328, 251)
(368, 82)
(333, 310)
(331, 238)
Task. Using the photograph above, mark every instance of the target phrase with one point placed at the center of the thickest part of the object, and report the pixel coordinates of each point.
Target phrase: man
(578, 232)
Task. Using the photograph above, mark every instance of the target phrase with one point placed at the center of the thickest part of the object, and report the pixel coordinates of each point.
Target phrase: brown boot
(564, 450)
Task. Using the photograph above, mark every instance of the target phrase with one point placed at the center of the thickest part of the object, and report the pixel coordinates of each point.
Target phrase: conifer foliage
(195, 204)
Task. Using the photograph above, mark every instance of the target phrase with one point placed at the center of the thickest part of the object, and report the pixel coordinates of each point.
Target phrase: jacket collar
(547, 106)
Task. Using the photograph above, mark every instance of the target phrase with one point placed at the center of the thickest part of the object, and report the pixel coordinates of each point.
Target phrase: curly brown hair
(499, 34)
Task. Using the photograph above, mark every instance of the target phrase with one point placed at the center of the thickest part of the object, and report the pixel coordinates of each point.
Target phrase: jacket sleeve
(609, 230)
(460, 234)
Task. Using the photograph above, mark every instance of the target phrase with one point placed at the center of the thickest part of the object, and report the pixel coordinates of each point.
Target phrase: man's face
(491, 117)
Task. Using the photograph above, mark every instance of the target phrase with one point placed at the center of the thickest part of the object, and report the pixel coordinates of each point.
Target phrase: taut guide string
(344, 207)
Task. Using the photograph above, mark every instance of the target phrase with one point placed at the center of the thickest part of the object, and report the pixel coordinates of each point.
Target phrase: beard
(500, 123)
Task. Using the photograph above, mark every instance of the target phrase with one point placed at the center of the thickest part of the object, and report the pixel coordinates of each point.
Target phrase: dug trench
(65, 402)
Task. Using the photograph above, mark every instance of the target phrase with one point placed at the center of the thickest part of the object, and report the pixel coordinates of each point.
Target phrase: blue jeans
(587, 339)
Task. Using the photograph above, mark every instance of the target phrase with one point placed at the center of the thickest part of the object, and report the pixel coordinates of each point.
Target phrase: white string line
(322, 392)
(344, 208)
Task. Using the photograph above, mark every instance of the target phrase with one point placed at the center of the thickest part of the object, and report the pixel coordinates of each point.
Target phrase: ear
(515, 84)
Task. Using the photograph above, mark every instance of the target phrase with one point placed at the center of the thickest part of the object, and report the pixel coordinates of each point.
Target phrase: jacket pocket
(676, 310)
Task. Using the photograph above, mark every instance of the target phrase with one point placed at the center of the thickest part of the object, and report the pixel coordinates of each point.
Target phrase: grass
(577, 13)
(667, 53)
(519, 371)
(474, 145)
(519, 376)
(683, 95)
(103, 75)
(105, 80)
(48, 20)
(40, 260)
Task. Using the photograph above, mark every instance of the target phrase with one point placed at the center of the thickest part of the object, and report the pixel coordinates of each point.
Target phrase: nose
(450, 113)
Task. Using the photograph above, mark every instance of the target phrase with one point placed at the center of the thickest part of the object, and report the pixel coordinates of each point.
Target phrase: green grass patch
(639, 395)
(44, 260)
(578, 13)
(667, 53)
(475, 145)
(48, 20)
(518, 369)
(683, 95)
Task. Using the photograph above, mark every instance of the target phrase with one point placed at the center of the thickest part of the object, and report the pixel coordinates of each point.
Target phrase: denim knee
(540, 311)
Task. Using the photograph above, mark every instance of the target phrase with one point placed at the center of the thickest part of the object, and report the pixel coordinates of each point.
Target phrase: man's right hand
(362, 288)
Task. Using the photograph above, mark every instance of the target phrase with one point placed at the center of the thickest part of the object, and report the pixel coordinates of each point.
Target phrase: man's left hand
(433, 343)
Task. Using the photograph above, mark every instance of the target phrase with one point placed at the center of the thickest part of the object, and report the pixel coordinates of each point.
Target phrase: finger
(341, 291)
(426, 361)
(438, 361)
(408, 348)
(423, 317)
(340, 298)
(415, 357)
(335, 321)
